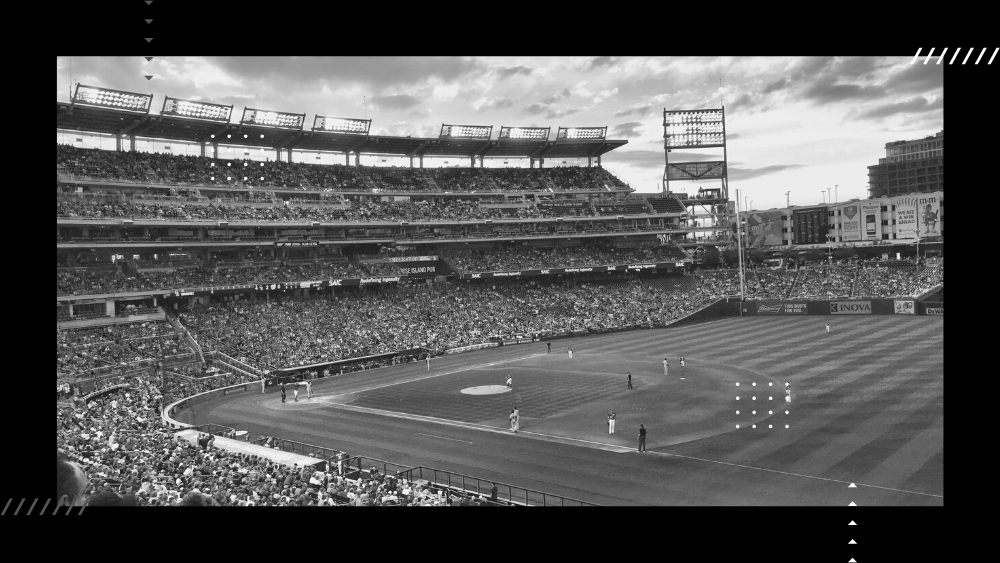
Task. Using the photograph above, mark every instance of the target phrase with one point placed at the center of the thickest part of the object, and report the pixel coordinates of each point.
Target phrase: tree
(757, 256)
(710, 259)
(731, 257)
(848, 253)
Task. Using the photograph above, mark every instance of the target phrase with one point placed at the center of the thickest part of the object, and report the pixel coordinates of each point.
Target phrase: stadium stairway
(181, 329)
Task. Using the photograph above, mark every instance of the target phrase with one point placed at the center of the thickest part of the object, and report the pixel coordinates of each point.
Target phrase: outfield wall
(840, 307)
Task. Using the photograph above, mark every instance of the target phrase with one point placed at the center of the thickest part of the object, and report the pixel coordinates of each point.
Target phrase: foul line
(441, 437)
(439, 374)
(797, 474)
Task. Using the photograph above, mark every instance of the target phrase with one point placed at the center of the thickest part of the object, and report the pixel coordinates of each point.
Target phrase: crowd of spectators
(447, 210)
(116, 439)
(899, 281)
(84, 282)
(763, 283)
(534, 258)
(142, 167)
(308, 330)
(80, 350)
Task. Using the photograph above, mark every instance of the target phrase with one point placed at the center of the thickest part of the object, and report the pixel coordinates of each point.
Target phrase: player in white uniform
(309, 389)
(828, 328)
(428, 362)
(296, 392)
(571, 352)
(682, 363)
(611, 422)
(510, 381)
(788, 393)
(666, 367)
(511, 417)
(517, 419)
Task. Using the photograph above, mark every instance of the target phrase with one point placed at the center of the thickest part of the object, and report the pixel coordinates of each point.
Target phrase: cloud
(745, 101)
(828, 91)
(556, 97)
(918, 104)
(556, 114)
(916, 79)
(484, 104)
(626, 130)
(376, 73)
(598, 62)
(508, 71)
(748, 173)
(731, 136)
(399, 101)
(640, 111)
(776, 86)
(534, 109)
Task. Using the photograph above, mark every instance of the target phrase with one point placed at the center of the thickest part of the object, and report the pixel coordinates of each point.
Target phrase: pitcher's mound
(486, 390)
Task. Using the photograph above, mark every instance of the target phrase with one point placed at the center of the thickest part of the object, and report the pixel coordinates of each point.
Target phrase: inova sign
(850, 307)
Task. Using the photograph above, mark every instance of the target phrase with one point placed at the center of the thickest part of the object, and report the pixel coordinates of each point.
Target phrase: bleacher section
(666, 204)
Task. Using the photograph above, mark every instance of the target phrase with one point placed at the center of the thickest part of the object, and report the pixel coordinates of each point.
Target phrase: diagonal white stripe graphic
(957, 51)
(914, 61)
(46, 505)
(928, 59)
(967, 54)
(994, 55)
(981, 53)
(942, 56)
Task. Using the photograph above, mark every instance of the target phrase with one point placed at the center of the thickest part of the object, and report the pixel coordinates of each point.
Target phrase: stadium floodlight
(273, 118)
(466, 131)
(693, 128)
(566, 133)
(116, 99)
(197, 110)
(525, 133)
(342, 125)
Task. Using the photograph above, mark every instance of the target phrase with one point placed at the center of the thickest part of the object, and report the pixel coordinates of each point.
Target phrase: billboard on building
(764, 228)
(905, 214)
(871, 212)
(929, 214)
(850, 222)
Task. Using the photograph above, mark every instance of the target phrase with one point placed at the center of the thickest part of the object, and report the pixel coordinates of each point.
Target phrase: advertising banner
(850, 222)
(412, 259)
(903, 307)
(665, 266)
(850, 307)
(905, 216)
(871, 212)
(928, 213)
(764, 228)
(935, 310)
(780, 308)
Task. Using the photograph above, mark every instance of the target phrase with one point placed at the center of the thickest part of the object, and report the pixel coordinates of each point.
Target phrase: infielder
(511, 417)
(510, 381)
(517, 419)
(666, 367)
(611, 422)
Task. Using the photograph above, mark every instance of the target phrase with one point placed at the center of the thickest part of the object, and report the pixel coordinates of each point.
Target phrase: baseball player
(295, 391)
(510, 381)
(828, 328)
(611, 421)
(428, 362)
(630, 380)
(571, 352)
(682, 363)
(666, 367)
(517, 419)
(309, 389)
(788, 393)
(511, 417)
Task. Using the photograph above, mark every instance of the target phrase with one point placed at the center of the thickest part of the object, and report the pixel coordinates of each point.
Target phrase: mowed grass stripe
(748, 445)
(854, 415)
(879, 449)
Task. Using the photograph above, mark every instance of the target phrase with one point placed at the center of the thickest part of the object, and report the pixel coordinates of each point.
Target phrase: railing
(516, 495)
(210, 428)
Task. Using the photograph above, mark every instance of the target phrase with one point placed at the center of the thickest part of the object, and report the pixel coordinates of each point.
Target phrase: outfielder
(611, 422)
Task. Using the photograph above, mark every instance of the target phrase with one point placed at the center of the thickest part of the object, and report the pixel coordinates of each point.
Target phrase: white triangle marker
(852, 560)
(852, 542)
(852, 504)
(852, 486)
(852, 523)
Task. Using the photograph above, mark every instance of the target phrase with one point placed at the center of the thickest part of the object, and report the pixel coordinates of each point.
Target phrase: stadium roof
(111, 121)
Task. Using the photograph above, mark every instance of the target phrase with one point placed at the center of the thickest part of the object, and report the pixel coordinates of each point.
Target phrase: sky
(794, 124)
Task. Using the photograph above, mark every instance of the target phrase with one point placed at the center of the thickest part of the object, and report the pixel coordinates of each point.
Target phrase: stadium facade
(914, 166)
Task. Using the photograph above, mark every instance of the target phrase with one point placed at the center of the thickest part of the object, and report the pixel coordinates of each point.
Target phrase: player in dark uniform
(282, 392)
